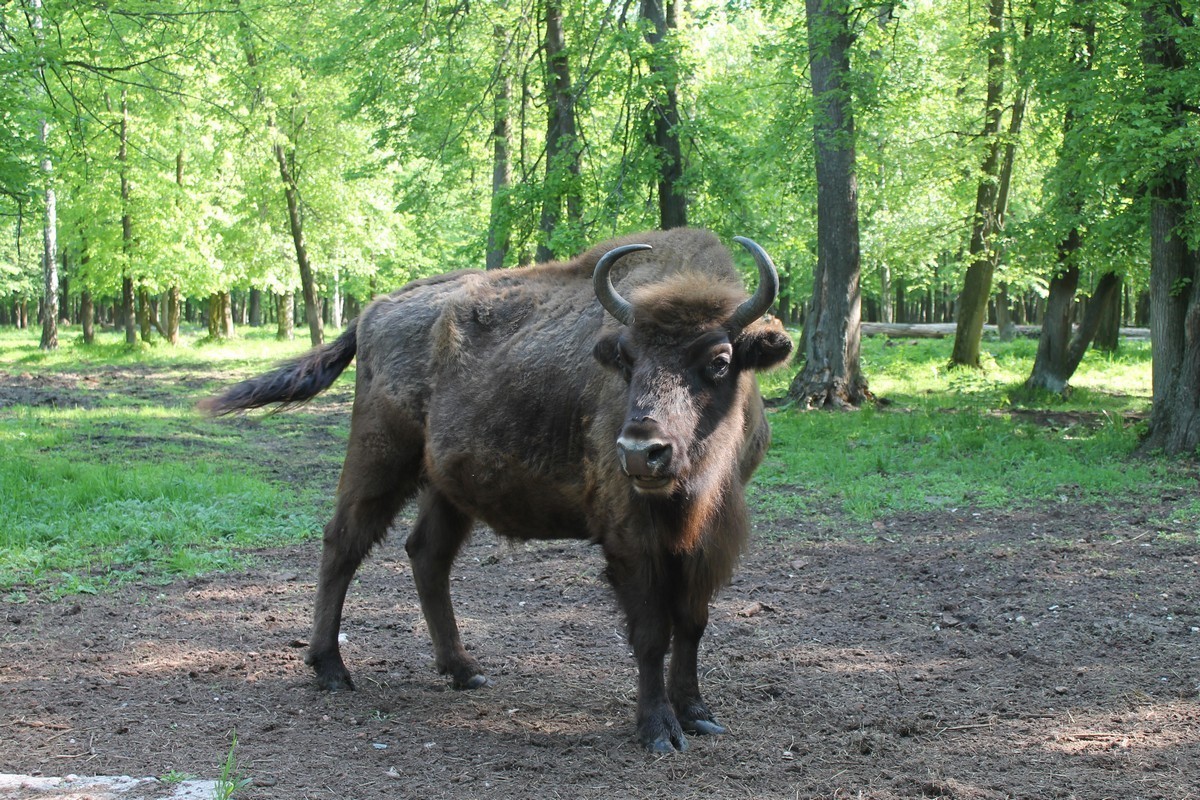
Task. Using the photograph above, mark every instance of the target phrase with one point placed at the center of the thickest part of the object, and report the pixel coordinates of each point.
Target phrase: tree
(562, 147)
(498, 223)
(50, 219)
(832, 374)
(664, 112)
(977, 285)
(1059, 350)
(1174, 288)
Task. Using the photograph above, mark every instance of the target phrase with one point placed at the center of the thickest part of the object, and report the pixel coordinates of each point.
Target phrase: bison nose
(643, 458)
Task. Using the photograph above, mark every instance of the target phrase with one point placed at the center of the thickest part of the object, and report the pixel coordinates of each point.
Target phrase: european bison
(512, 397)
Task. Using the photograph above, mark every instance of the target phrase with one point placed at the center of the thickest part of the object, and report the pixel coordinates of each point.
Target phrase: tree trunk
(1053, 367)
(49, 339)
(173, 309)
(1174, 290)
(49, 249)
(312, 309)
(128, 315)
(1059, 352)
(335, 300)
(562, 150)
(1108, 330)
(87, 316)
(498, 223)
(832, 374)
(226, 314)
(213, 316)
(285, 330)
(1004, 317)
(255, 311)
(143, 313)
(977, 285)
(664, 111)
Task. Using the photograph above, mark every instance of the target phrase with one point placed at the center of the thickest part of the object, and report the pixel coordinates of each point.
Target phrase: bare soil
(1030, 653)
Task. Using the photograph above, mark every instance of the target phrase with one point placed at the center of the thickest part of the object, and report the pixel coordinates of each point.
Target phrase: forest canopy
(250, 161)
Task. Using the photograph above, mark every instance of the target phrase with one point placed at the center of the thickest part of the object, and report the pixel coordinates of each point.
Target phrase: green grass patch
(965, 438)
(126, 481)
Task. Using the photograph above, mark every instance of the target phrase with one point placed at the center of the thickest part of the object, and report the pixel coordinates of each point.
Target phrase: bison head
(690, 345)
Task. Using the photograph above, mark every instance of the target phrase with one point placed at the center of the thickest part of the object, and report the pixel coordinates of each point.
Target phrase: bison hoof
(335, 682)
(666, 745)
(703, 727)
(660, 732)
(474, 682)
(332, 675)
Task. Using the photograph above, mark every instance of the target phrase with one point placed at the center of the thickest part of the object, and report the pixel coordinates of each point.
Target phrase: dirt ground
(1045, 653)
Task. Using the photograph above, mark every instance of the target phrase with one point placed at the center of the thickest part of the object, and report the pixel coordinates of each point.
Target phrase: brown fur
(481, 393)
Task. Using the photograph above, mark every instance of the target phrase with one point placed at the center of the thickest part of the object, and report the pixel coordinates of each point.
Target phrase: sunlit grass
(964, 438)
(128, 481)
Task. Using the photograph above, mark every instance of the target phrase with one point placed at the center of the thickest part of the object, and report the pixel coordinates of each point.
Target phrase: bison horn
(616, 305)
(764, 295)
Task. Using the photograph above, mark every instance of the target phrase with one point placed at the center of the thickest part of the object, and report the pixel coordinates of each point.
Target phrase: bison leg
(690, 616)
(376, 481)
(642, 593)
(440, 531)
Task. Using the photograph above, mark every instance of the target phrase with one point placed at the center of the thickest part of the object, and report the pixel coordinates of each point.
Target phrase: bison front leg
(691, 618)
(643, 596)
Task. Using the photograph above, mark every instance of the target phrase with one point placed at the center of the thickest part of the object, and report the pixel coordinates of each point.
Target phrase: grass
(948, 439)
(125, 481)
(230, 781)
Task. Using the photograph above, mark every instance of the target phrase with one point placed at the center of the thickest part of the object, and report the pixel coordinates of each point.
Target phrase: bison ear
(763, 346)
(607, 352)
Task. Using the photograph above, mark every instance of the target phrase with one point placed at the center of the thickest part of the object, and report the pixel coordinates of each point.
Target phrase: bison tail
(292, 382)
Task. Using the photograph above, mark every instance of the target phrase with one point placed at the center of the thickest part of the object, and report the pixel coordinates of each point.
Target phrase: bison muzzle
(610, 398)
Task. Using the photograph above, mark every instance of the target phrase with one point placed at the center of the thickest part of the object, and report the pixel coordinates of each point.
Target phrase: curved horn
(765, 294)
(616, 305)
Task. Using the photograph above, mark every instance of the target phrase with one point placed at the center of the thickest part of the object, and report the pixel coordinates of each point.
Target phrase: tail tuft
(292, 383)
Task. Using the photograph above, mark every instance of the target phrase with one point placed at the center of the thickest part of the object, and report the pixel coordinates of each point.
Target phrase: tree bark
(173, 314)
(1055, 363)
(1108, 330)
(49, 340)
(498, 223)
(1059, 352)
(664, 111)
(254, 313)
(832, 373)
(49, 250)
(87, 316)
(312, 309)
(1174, 289)
(977, 285)
(128, 315)
(285, 329)
(213, 316)
(562, 150)
(143, 313)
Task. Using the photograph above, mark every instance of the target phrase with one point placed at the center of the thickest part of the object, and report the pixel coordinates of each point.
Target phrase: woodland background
(251, 162)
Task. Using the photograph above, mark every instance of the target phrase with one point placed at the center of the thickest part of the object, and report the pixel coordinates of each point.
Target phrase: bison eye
(719, 367)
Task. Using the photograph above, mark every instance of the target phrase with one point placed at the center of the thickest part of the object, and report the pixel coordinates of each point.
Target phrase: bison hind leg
(438, 535)
(376, 482)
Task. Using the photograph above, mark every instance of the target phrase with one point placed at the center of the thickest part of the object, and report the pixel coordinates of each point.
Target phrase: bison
(554, 402)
